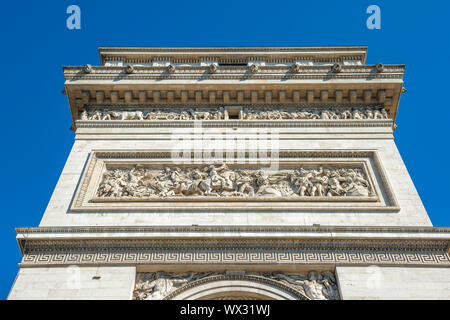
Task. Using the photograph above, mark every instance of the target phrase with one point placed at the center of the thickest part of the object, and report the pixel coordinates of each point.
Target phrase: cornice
(412, 246)
(272, 85)
(233, 124)
(237, 229)
(284, 79)
(351, 52)
(233, 49)
(285, 73)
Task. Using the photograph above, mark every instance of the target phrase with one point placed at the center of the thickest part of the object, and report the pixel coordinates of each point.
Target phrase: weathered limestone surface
(74, 283)
(393, 283)
(412, 212)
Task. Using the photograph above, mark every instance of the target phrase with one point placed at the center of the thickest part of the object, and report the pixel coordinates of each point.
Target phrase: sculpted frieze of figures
(158, 285)
(332, 113)
(248, 113)
(154, 114)
(218, 180)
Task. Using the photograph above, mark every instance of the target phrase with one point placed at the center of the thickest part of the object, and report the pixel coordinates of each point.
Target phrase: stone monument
(234, 173)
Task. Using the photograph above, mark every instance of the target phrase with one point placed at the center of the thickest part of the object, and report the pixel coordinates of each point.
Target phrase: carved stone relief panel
(153, 114)
(317, 181)
(330, 113)
(219, 180)
(246, 113)
(167, 286)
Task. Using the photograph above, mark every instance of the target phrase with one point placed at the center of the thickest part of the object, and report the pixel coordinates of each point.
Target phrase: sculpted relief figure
(249, 113)
(158, 285)
(315, 286)
(218, 180)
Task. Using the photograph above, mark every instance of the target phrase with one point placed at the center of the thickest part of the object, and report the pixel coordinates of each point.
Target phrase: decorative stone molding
(409, 231)
(91, 195)
(235, 250)
(289, 98)
(379, 67)
(254, 68)
(296, 67)
(233, 124)
(232, 83)
(221, 245)
(171, 68)
(213, 68)
(235, 73)
(129, 69)
(336, 68)
(170, 286)
(88, 68)
(233, 54)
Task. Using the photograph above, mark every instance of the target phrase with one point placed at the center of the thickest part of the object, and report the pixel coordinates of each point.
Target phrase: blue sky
(35, 135)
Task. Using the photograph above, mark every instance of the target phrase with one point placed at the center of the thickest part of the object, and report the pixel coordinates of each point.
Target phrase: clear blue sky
(35, 135)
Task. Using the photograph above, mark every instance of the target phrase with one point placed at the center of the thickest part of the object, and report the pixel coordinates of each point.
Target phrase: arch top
(232, 287)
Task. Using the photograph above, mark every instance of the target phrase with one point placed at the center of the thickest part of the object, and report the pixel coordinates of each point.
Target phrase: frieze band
(245, 113)
(232, 73)
(285, 258)
(237, 251)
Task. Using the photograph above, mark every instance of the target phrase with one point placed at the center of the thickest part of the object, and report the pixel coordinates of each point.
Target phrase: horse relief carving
(218, 180)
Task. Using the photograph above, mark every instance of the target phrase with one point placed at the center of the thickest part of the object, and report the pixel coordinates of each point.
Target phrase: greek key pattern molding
(313, 258)
(235, 251)
(234, 124)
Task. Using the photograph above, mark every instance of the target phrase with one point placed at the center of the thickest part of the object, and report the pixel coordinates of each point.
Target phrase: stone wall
(355, 283)
(393, 283)
(74, 283)
(412, 212)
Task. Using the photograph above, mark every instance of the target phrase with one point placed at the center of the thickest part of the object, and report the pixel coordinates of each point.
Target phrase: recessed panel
(293, 181)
